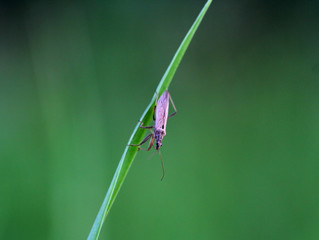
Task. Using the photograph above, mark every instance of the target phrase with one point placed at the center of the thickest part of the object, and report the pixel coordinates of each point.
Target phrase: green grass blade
(137, 135)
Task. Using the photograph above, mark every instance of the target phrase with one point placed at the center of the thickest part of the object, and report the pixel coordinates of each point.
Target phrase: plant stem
(137, 135)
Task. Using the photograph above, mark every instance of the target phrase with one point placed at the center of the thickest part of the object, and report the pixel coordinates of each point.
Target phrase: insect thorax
(160, 133)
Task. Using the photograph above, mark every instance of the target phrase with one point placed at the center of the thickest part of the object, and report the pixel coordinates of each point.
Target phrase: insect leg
(150, 145)
(173, 107)
(146, 127)
(155, 106)
(144, 141)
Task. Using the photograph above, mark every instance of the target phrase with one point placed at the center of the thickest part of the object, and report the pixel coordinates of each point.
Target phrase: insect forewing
(162, 111)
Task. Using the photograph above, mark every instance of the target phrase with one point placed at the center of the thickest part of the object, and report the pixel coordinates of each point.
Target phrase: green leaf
(137, 135)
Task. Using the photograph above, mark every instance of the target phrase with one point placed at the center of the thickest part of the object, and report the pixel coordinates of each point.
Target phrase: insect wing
(162, 111)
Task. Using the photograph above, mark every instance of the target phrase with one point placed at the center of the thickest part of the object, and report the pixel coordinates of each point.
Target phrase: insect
(160, 117)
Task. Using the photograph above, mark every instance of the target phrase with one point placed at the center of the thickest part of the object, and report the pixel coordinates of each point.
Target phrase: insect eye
(162, 126)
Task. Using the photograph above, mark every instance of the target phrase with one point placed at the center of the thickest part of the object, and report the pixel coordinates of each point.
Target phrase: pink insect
(160, 117)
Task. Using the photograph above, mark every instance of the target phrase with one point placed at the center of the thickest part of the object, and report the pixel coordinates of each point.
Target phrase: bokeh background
(241, 155)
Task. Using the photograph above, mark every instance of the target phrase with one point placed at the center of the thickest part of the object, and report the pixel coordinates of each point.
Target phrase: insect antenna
(160, 155)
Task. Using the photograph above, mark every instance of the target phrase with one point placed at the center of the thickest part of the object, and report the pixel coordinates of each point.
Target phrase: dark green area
(241, 155)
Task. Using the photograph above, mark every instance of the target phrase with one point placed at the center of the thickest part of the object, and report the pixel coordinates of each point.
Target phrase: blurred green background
(241, 156)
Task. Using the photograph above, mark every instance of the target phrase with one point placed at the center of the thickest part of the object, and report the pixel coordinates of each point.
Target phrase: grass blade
(137, 135)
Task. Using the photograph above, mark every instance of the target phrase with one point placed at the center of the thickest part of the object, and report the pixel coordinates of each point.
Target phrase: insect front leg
(150, 145)
(173, 107)
(144, 141)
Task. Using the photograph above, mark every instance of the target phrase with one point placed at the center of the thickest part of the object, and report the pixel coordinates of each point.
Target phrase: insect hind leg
(145, 127)
(156, 100)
